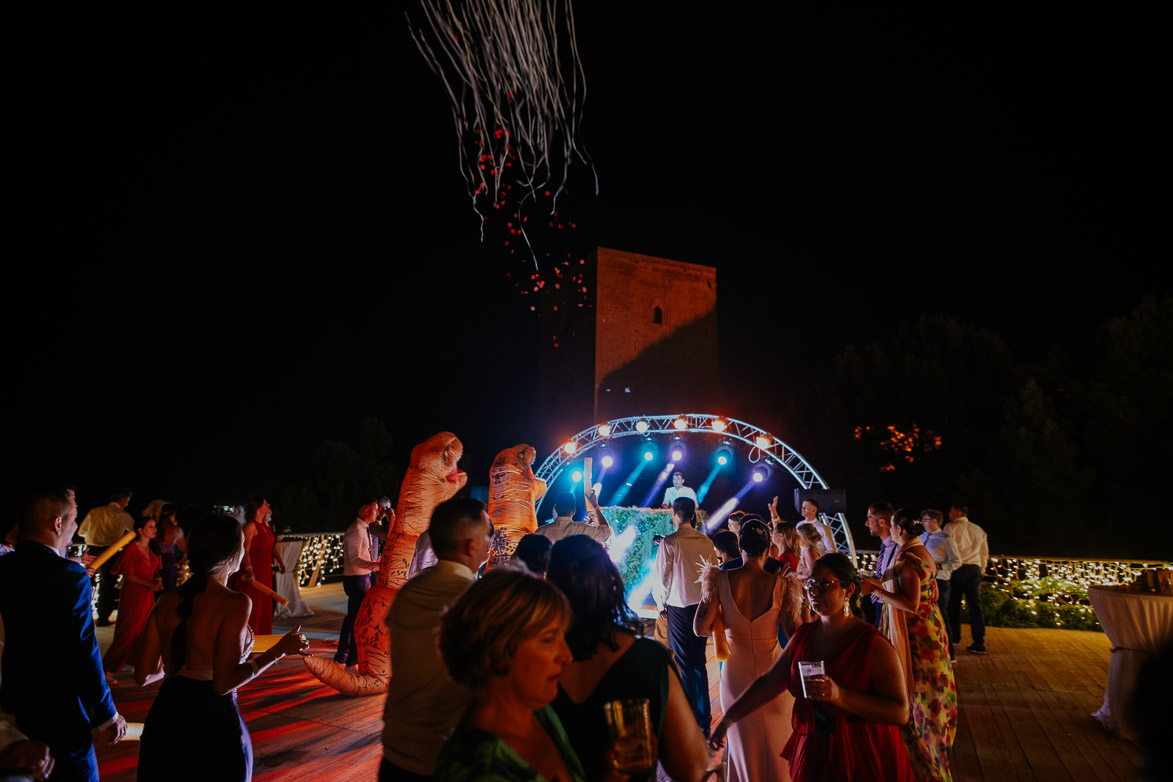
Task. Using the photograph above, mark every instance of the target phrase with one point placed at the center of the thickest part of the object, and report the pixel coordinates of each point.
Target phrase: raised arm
(592, 502)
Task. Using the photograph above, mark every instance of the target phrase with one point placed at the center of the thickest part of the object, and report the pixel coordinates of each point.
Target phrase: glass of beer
(808, 669)
(630, 723)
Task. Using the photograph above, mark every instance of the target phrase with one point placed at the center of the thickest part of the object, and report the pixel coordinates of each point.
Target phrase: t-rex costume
(514, 494)
(431, 478)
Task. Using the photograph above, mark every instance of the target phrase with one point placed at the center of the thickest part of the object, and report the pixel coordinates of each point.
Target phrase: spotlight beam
(703, 491)
(621, 493)
(730, 505)
(660, 480)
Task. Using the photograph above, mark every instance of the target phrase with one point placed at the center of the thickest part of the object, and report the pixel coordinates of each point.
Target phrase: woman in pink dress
(141, 579)
(846, 723)
(751, 603)
(258, 564)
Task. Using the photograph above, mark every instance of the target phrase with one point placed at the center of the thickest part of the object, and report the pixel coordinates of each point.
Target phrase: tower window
(657, 316)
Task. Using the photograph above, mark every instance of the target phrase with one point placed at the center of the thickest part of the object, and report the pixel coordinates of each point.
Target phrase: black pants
(967, 581)
(355, 588)
(690, 657)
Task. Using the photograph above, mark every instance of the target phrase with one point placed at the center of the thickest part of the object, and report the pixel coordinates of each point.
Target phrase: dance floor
(1025, 712)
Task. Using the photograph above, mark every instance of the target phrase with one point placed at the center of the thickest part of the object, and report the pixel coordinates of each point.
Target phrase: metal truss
(762, 446)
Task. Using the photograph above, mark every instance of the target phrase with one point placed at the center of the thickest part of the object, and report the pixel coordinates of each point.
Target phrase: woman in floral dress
(913, 623)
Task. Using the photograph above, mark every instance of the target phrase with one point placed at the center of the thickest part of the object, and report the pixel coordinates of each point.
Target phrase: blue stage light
(722, 460)
(576, 476)
(648, 456)
(608, 461)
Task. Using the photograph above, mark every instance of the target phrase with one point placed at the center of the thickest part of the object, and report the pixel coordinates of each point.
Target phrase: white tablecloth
(286, 583)
(1137, 624)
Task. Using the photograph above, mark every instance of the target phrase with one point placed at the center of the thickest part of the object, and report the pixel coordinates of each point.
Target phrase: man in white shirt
(357, 568)
(810, 515)
(674, 586)
(423, 703)
(973, 552)
(564, 524)
(944, 552)
(101, 528)
(677, 490)
(879, 523)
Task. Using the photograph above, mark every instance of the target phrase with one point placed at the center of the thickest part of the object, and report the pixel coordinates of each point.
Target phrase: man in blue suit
(53, 682)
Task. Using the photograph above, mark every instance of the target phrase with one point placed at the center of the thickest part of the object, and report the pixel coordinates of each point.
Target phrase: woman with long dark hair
(198, 641)
(846, 721)
(612, 662)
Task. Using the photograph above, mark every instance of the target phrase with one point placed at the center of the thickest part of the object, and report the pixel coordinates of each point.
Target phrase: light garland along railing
(1022, 591)
(321, 556)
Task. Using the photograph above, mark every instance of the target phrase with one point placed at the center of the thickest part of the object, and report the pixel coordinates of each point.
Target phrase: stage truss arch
(762, 445)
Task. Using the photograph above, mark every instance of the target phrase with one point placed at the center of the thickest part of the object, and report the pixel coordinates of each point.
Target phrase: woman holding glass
(505, 639)
(612, 662)
(846, 720)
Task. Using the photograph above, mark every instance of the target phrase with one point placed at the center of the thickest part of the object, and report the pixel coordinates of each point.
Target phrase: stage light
(608, 461)
(576, 476)
(604, 430)
(570, 448)
(763, 442)
(761, 473)
(680, 423)
(648, 456)
(677, 454)
(641, 426)
(718, 425)
(724, 454)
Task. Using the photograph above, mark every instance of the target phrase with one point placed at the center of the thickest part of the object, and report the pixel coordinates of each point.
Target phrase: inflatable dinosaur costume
(431, 478)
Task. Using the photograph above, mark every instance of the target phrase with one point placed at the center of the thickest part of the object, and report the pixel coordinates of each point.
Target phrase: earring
(846, 608)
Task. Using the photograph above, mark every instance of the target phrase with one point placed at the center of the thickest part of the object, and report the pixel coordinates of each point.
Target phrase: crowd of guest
(505, 674)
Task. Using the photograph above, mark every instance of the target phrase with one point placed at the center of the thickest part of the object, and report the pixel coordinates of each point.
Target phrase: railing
(1024, 591)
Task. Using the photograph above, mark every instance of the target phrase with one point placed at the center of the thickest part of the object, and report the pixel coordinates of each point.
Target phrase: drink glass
(809, 669)
(630, 723)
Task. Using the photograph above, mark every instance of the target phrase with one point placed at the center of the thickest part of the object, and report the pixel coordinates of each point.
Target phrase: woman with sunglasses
(846, 725)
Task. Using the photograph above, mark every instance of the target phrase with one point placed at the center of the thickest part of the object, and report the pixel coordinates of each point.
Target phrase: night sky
(238, 235)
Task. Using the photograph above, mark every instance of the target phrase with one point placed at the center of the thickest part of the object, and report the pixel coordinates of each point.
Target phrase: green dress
(472, 755)
(933, 703)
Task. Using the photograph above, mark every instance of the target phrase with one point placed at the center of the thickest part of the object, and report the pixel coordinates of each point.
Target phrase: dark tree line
(1067, 457)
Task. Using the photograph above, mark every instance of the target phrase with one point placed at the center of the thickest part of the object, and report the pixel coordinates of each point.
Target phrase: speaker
(831, 501)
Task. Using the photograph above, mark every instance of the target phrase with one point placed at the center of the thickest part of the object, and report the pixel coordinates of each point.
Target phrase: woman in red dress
(258, 563)
(141, 579)
(846, 725)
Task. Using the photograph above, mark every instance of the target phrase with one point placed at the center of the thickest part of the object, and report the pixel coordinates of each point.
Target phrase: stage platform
(1025, 711)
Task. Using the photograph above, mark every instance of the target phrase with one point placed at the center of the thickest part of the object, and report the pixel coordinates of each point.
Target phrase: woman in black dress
(198, 641)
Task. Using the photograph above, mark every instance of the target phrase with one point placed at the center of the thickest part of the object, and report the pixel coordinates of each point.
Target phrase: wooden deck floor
(1025, 714)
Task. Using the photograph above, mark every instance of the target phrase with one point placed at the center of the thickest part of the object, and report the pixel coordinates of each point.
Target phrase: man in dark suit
(53, 682)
